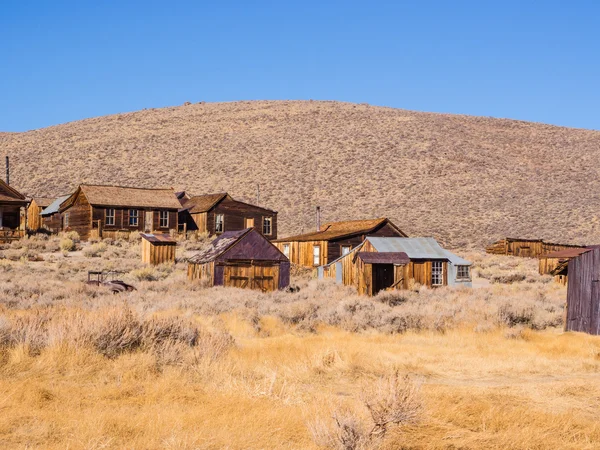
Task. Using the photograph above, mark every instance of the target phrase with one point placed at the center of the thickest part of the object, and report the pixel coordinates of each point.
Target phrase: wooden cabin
(557, 263)
(217, 213)
(34, 212)
(13, 213)
(158, 248)
(242, 259)
(97, 211)
(51, 218)
(382, 263)
(334, 240)
(583, 293)
(526, 248)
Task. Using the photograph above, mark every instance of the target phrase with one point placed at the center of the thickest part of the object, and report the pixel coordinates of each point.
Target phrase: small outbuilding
(158, 248)
(34, 218)
(557, 263)
(242, 259)
(526, 248)
(383, 263)
(583, 293)
(51, 218)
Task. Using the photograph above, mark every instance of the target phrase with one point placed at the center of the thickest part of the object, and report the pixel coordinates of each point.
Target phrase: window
(219, 223)
(346, 249)
(163, 219)
(267, 225)
(286, 250)
(316, 255)
(109, 216)
(66, 223)
(133, 217)
(463, 272)
(249, 222)
(437, 273)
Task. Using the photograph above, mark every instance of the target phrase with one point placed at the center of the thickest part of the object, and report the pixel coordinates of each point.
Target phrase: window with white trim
(437, 273)
(219, 223)
(346, 249)
(109, 216)
(66, 222)
(316, 255)
(163, 219)
(463, 272)
(286, 250)
(134, 217)
(267, 226)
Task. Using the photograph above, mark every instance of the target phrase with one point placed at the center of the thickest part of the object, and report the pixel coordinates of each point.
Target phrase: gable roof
(244, 245)
(203, 203)
(101, 195)
(53, 207)
(43, 202)
(416, 248)
(10, 195)
(337, 230)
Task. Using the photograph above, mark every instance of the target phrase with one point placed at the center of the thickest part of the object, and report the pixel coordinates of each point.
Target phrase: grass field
(178, 366)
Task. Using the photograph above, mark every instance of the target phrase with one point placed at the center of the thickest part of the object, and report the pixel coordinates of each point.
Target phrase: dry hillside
(464, 180)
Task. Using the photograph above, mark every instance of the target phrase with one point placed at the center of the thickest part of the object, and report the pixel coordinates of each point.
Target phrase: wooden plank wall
(583, 293)
(301, 253)
(34, 220)
(525, 249)
(204, 272)
(157, 253)
(236, 212)
(261, 277)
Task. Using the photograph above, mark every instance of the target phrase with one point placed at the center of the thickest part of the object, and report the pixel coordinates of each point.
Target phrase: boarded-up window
(66, 223)
(163, 219)
(463, 272)
(286, 250)
(316, 255)
(134, 217)
(109, 214)
(267, 225)
(437, 273)
(219, 223)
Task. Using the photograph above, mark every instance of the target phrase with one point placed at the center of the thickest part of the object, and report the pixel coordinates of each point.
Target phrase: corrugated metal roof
(416, 248)
(53, 207)
(159, 238)
(384, 258)
(569, 252)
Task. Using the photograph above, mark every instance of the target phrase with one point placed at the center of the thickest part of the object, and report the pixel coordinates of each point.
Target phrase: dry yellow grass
(177, 366)
(464, 180)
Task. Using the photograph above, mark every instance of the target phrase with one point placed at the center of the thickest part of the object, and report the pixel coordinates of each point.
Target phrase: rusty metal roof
(218, 246)
(384, 258)
(159, 238)
(569, 252)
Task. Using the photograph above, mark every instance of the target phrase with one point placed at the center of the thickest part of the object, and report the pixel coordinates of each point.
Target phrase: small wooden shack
(158, 248)
(526, 248)
(333, 240)
(381, 263)
(217, 213)
(583, 293)
(13, 213)
(242, 259)
(34, 218)
(556, 263)
(51, 218)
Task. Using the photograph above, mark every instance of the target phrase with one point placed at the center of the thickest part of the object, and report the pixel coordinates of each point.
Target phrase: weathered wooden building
(243, 259)
(158, 248)
(34, 212)
(583, 293)
(116, 211)
(333, 240)
(51, 217)
(13, 213)
(526, 248)
(217, 213)
(381, 263)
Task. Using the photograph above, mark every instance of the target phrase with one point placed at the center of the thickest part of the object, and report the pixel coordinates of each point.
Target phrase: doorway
(148, 221)
(383, 277)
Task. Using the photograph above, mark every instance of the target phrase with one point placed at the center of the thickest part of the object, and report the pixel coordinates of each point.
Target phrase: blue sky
(530, 60)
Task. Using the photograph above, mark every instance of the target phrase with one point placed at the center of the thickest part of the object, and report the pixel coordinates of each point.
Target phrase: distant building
(13, 213)
(526, 248)
(242, 259)
(333, 240)
(382, 263)
(217, 213)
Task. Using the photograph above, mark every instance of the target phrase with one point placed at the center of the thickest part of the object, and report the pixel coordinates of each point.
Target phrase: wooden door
(149, 221)
(383, 277)
(246, 276)
(249, 222)
(266, 278)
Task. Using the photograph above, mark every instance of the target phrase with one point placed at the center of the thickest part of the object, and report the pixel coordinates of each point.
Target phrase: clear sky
(531, 60)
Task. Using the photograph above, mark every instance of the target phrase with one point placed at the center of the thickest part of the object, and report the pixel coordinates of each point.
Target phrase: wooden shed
(526, 248)
(51, 217)
(556, 263)
(333, 240)
(34, 218)
(583, 293)
(13, 213)
(217, 213)
(381, 263)
(242, 259)
(158, 248)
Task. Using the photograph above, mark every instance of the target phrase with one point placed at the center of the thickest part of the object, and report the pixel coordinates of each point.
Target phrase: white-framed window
(267, 226)
(66, 222)
(286, 250)
(316, 255)
(134, 217)
(109, 216)
(463, 272)
(437, 273)
(163, 219)
(219, 223)
(346, 249)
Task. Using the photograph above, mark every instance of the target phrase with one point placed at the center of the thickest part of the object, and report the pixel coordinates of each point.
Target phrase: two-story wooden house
(217, 213)
(112, 211)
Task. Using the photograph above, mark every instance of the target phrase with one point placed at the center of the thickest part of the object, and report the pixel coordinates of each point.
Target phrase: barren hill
(464, 180)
